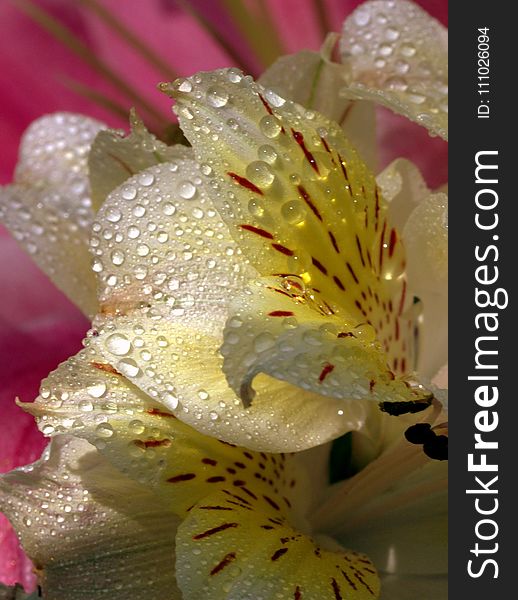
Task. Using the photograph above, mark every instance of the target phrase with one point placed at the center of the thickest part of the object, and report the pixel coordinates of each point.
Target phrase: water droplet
(217, 97)
(407, 50)
(137, 426)
(146, 179)
(97, 390)
(117, 257)
(113, 214)
(85, 406)
(259, 173)
(274, 99)
(385, 50)
(267, 153)
(183, 85)
(365, 332)
(104, 430)
(397, 84)
(168, 209)
(170, 400)
(234, 75)
(118, 344)
(270, 126)
(203, 395)
(256, 207)
(293, 212)
(362, 17)
(186, 190)
(264, 341)
(129, 367)
(129, 192)
(391, 34)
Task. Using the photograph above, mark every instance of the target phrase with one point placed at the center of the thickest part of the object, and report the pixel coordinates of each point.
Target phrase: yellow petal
(87, 528)
(48, 208)
(246, 548)
(398, 56)
(297, 198)
(278, 329)
(180, 365)
(115, 157)
(86, 397)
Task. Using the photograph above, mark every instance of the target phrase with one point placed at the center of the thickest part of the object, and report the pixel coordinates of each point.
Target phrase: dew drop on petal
(118, 344)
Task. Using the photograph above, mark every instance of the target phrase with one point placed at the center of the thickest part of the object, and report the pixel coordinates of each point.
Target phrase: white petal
(48, 208)
(398, 56)
(115, 157)
(403, 187)
(89, 530)
(404, 528)
(426, 239)
(158, 240)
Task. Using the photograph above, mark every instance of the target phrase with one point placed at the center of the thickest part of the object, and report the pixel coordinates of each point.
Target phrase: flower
(308, 219)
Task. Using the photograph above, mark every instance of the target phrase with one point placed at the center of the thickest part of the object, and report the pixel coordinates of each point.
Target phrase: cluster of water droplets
(57, 512)
(398, 53)
(48, 209)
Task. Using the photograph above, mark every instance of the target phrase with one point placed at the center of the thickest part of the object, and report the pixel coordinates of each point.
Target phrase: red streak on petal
(281, 313)
(258, 231)
(231, 556)
(283, 250)
(246, 183)
(392, 242)
(319, 265)
(402, 301)
(325, 372)
(299, 138)
(309, 202)
(159, 413)
(152, 443)
(106, 368)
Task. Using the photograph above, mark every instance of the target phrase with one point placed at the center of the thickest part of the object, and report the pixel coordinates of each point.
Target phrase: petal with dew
(181, 366)
(313, 80)
(294, 337)
(398, 56)
(310, 208)
(249, 549)
(159, 241)
(165, 293)
(87, 528)
(48, 208)
(88, 398)
(115, 157)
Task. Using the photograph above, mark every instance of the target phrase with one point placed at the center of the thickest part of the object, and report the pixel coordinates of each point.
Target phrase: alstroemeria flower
(254, 288)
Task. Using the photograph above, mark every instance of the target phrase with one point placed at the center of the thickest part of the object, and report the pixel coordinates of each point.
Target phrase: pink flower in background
(39, 327)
